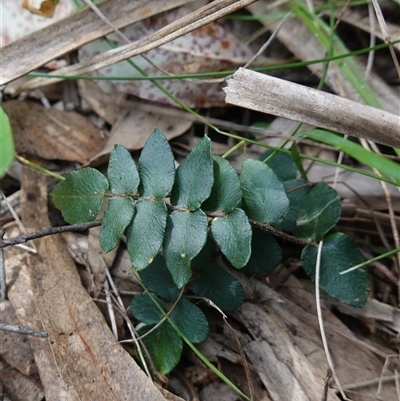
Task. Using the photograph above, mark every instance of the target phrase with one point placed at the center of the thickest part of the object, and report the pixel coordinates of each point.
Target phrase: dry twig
(281, 98)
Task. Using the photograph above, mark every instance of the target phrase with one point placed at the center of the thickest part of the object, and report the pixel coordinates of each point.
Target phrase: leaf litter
(276, 325)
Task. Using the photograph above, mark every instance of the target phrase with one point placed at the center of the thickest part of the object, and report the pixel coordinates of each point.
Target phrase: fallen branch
(45, 232)
(22, 330)
(278, 97)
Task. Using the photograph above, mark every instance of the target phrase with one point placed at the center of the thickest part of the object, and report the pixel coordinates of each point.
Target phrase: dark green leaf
(206, 253)
(232, 233)
(319, 213)
(338, 254)
(225, 193)
(191, 321)
(145, 234)
(297, 191)
(144, 309)
(222, 288)
(194, 177)
(158, 279)
(81, 195)
(156, 167)
(164, 345)
(264, 195)
(185, 236)
(117, 216)
(122, 172)
(266, 254)
(282, 165)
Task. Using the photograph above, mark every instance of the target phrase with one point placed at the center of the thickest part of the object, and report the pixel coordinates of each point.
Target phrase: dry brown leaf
(15, 349)
(18, 371)
(80, 359)
(45, 8)
(106, 102)
(20, 295)
(110, 104)
(133, 122)
(52, 134)
(17, 387)
(134, 127)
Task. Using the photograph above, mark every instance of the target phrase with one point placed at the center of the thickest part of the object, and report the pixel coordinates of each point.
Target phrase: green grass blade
(386, 167)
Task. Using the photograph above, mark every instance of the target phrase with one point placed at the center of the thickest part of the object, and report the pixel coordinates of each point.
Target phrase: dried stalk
(281, 98)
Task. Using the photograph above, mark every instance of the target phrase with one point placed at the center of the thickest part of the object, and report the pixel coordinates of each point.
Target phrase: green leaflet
(117, 216)
(124, 180)
(145, 234)
(185, 236)
(164, 346)
(191, 320)
(206, 253)
(296, 191)
(122, 173)
(188, 317)
(157, 278)
(338, 254)
(144, 309)
(282, 165)
(7, 143)
(264, 195)
(194, 177)
(81, 195)
(219, 286)
(266, 254)
(225, 194)
(319, 213)
(232, 233)
(156, 167)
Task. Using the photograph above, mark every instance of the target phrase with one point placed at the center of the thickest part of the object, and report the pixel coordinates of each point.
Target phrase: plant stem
(85, 226)
(44, 233)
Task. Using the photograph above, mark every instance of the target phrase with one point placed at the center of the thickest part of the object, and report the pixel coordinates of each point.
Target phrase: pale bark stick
(278, 97)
